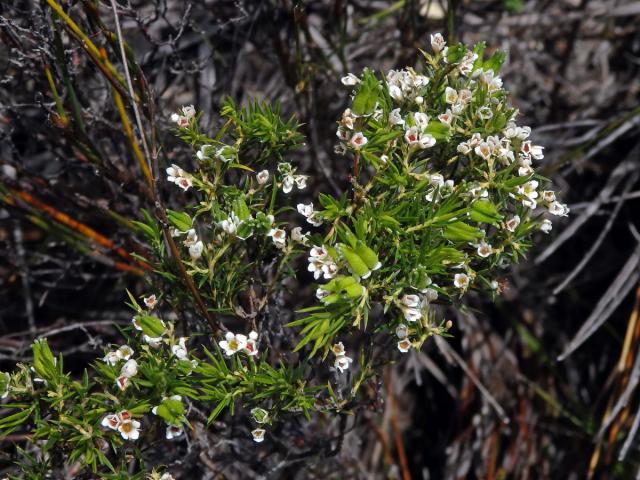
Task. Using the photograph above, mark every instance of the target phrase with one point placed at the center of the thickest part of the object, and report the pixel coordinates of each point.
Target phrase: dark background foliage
(492, 402)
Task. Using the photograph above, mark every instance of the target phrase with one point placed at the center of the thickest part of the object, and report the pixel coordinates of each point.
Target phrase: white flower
(430, 294)
(129, 429)
(513, 223)
(305, 210)
(321, 264)
(123, 382)
(150, 301)
(466, 64)
(111, 421)
(153, 342)
(525, 171)
(446, 117)
(528, 190)
(112, 358)
(287, 183)
(322, 293)
(258, 435)
(233, 343)
(231, 224)
(129, 369)
(262, 177)
(464, 148)
(251, 348)
(410, 305)
(485, 113)
(461, 281)
(298, 236)
(350, 80)
(421, 120)
(173, 432)
(301, 181)
(559, 209)
(427, 140)
(549, 196)
(404, 345)
(419, 100)
(358, 140)
(279, 237)
(450, 95)
(546, 225)
(437, 42)
(167, 476)
(203, 152)
(348, 119)
(395, 93)
(412, 136)
(191, 238)
(484, 250)
(185, 114)
(338, 349)
(342, 363)
(179, 350)
(184, 183)
(195, 250)
(483, 150)
(402, 331)
(395, 118)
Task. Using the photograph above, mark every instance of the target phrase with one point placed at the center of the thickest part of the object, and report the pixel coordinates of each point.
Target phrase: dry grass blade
(616, 292)
(450, 353)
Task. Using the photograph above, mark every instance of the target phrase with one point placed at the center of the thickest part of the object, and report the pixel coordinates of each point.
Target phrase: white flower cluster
(321, 264)
(290, 179)
(177, 175)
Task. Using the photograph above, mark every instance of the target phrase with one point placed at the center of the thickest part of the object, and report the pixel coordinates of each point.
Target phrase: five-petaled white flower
(513, 223)
(321, 264)
(484, 250)
(358, 140)
(233, 343)
(279, 237)
(258, 435)
(559, 209)
(404, 345)
(129, 429)
(150, 301)
(461, 281)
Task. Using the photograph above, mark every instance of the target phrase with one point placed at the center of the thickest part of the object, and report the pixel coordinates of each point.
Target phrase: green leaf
(180, 220)
(368, 91)
(484, 211)
(461, 232)
(151, 325)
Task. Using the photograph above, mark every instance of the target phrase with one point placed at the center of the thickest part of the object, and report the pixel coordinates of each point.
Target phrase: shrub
(443, 197)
